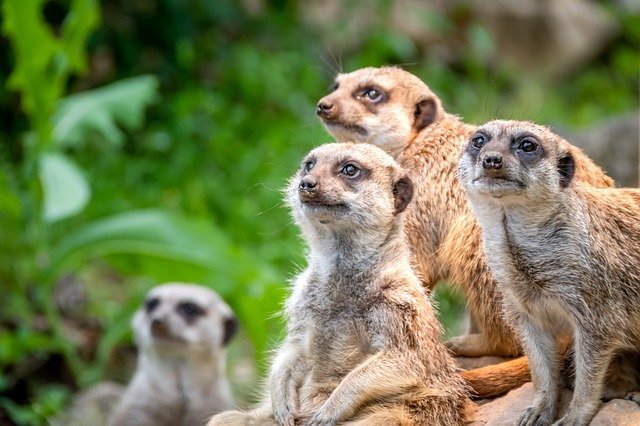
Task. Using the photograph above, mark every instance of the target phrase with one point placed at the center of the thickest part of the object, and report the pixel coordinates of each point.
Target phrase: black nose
(308, 184)
(324, 108)
(493, 161)
(158, 327)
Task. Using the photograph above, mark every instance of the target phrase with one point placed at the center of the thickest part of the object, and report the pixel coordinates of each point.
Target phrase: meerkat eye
(151, 304)
(309, 165)
(478, 141)
(528, 145)
(373, 95)
(350, 170)
(190, 310)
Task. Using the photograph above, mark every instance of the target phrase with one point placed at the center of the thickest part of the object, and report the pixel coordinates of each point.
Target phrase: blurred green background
(145, 141)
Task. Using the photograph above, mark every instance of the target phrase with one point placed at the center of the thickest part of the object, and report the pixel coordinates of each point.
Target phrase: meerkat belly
(528, 280)
(338, 347)
(335, 347)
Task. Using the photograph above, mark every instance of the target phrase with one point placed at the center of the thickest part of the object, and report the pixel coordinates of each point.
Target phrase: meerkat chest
(537, 265)
(339, 327)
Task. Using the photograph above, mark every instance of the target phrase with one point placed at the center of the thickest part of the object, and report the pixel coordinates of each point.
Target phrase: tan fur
(492, 381)
(567, 257)
(410, 124)
(180, 379)
(363, 344)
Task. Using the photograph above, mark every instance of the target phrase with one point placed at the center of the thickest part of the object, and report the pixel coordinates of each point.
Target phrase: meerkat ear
(426, 113)
(566, 169)
(230, 326)
(402, 193)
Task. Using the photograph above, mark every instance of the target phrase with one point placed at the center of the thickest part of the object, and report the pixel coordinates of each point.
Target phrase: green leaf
(43, 61)
(82, 19)
(65, 189)
(35, 48)
(153, 233)
(100, 109)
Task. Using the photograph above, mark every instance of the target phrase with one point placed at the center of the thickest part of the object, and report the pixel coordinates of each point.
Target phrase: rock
(612, 144)
(564, 34)
(507, 409)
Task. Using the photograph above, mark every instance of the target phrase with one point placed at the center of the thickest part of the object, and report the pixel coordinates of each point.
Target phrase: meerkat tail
(495, 380)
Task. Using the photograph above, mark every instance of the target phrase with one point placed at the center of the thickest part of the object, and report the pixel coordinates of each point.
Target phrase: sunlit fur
(181, 377)
(443, 234)
(363, 344)
(567, 258)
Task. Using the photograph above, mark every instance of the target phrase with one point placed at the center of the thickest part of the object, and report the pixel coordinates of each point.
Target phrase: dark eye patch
(527, 148)
(190, 311)
(308, 164)
(475, 144)
(151, 304)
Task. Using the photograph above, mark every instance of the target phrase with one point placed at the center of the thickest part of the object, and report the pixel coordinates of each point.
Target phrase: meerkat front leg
(592, 358)
(370, 380)
(284, 382)
(541, 349)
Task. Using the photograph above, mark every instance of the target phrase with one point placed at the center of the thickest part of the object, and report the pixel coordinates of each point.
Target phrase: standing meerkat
(567, 257)
(180, 380)
(394, 110)
(363, 344)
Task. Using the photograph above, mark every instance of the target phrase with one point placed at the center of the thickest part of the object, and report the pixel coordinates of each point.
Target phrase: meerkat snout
(307, 187)
(492, 161)
(325, 109)
(159, 329)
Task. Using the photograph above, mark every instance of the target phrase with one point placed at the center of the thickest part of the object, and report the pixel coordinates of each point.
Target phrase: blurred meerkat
(396, 111)
(363, 344)
(567, 257)
(181, 331)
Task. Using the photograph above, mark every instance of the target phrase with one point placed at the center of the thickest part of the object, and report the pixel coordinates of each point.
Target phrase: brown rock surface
(613, 144)
(507, 409)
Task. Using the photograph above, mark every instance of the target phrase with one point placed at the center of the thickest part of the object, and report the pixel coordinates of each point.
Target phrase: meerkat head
(515, 160)
(386, 107)
(348, 186)
(177, 318)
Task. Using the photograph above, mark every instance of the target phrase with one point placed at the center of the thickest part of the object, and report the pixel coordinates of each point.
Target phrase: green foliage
(109, 181)
(98, 110)
(64, 189)
(45, 405)
(42, 77)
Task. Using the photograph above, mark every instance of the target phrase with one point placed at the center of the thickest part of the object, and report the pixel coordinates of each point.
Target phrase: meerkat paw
(633, 396)
(579, 417)
(534, 416)
(322, 418)
(285, 417)
(566, 421)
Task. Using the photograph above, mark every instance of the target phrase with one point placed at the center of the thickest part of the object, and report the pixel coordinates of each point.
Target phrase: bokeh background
(145, 141)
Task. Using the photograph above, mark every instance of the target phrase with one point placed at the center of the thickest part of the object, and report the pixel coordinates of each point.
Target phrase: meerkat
(567, 258)
(396, 111)
(363, 344)
(181, 332)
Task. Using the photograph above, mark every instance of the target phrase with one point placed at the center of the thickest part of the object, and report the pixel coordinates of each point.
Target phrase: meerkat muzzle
(492, 161)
